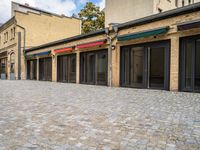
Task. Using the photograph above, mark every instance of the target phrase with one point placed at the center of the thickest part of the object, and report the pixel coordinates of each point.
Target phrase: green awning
(29, 56)
(143, 34)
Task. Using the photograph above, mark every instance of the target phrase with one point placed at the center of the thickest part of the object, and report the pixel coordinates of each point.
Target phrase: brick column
(77, 67)
(174, 63)
(116, 66)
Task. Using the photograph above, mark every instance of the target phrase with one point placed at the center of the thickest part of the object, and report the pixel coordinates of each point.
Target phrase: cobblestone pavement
(44, 115)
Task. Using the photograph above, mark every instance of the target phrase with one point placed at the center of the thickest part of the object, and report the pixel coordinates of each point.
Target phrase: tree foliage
(92, 18)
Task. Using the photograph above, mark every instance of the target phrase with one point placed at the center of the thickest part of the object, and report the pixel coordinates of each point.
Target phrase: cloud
(83, 2)
(57, 6)
(101, 4)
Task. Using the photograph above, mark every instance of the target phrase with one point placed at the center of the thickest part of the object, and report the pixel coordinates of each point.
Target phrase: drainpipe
(110, 40)
(19, 52)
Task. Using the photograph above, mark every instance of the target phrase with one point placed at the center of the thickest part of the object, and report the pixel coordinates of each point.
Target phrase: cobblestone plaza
(45, 115)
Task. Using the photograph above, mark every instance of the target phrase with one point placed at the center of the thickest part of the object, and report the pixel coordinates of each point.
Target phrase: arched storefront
(12, 66)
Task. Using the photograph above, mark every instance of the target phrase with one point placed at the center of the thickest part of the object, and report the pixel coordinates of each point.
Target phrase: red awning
(66, 49)
(91, 44)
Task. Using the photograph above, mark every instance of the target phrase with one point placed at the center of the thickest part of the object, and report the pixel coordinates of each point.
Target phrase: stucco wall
(118, 11)
(42, 29)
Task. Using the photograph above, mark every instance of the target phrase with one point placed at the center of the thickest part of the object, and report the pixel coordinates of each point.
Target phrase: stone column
(174, 63)
(54, 68)
(77, 67)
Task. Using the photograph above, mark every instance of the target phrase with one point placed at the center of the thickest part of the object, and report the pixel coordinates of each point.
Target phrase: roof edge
(3, 26)
(44, 11)
(164, 15)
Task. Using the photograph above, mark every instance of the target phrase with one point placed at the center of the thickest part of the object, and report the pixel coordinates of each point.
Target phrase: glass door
(137, 66)
(190, 64)
(197, 65)
(145, 65)
(102, 60)
(156, 68)
(72, 69)
(91, 68)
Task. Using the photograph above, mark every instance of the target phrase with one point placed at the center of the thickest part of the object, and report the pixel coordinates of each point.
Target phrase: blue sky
(67, 7)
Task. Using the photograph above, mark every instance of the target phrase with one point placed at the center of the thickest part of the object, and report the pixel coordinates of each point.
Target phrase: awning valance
(30, 56)
(91, 44)
(188, 25)
(38, 54)
(143, 34)
(62, 50)
(42, 53)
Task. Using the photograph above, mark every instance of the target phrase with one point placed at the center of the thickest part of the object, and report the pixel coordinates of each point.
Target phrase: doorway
(145, 65)
(94, 67)
(32, 69)
(66, 68)
(3, 68)
(45, 69)
(12, 66)
(190, 64)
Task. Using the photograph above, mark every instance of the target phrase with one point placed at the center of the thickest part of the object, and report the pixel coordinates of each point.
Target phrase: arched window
(12, 63)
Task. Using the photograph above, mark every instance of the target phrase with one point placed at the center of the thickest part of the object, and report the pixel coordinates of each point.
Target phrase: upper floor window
(5, 37)
(12, 36)
(176, 3)
(14, 32)
(183, 3)
(159, 10)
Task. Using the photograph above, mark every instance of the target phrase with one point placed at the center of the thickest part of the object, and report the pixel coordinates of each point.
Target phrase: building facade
(118, 12)
(161, 51)
(30, 27)
(182, 3)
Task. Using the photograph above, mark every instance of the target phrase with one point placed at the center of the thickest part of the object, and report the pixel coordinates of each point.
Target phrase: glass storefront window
(197, 65)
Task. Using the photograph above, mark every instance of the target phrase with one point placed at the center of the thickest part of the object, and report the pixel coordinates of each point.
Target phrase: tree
(92, 18)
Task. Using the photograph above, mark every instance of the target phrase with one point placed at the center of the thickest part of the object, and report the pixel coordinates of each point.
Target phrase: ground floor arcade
(148, 65)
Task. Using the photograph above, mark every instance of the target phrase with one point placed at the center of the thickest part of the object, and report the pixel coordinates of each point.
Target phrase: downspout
(110, 40)
(19, 52)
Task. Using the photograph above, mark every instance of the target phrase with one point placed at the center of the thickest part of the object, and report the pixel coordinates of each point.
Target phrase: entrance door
(3, 66)
(45, 69)
(156, 67)
(94, 67)
(102, 61)
(12, 66)
(190, 64)
(145, 66)
(90, 72)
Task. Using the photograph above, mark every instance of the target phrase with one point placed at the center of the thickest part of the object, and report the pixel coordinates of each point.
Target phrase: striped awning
(63, 50)
(143, 34)
(188, 25)
(91, 44)
(38, 54)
